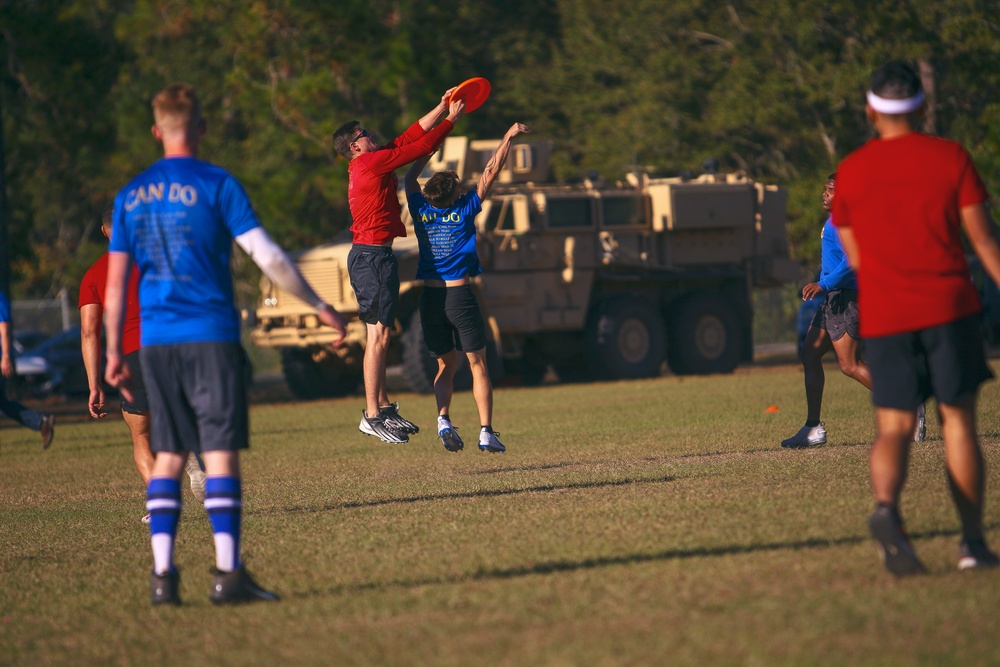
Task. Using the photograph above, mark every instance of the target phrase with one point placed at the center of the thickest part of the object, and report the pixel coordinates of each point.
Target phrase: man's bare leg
(816, 345)
(966, 470)
(376, 350)
(482, 388)
(890, 453)
(138, 427)
(444, 381)
(848, 352)
(888, 464)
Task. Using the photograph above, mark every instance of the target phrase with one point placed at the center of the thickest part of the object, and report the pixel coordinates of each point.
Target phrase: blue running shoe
(449, 436)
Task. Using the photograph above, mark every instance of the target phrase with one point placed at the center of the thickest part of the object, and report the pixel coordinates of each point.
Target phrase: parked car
(55, 366)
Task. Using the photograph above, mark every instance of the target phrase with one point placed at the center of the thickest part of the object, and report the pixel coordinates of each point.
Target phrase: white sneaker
(920, 432)
(808, 436)
(197, 476)
(488, 442)
(449, 436)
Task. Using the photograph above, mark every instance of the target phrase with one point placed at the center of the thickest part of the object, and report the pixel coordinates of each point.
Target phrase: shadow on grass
(555, 567)
(485, 493)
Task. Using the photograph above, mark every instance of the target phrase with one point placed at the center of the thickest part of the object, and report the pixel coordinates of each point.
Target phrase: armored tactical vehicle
(592, 280)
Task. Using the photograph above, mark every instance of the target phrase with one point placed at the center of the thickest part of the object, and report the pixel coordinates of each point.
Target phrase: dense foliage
(774, 88)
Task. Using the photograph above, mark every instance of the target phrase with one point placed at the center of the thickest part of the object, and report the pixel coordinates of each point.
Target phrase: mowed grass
(635, 523)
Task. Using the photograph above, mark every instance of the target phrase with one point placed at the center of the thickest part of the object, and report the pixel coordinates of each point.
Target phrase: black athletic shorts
(198, 396)
(946, 361)
(140, 402)
(451, 320)
(374, 274)
(838, 314)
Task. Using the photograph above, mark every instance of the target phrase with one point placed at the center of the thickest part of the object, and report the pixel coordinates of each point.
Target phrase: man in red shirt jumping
(372, 196)
(135, 412)
(902, 202)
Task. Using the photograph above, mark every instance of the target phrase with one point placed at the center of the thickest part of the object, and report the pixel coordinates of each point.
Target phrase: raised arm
(496, 163)
(410, 183)
(432, 117)
(390, 159)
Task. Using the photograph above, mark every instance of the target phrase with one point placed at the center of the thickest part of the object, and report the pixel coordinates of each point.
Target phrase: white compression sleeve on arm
(276, 264)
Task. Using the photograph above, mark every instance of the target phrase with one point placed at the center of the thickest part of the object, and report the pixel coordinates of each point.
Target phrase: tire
(705, 336)
(625, 339)
(310, 379)
(420, 368)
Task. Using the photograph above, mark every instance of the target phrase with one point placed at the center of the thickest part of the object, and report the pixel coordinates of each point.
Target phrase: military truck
(589, 280)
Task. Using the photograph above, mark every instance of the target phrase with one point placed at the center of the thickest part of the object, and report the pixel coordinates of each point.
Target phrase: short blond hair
(176, 108)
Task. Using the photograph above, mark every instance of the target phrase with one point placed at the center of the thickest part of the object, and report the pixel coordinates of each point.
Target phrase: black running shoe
(894, 546)
(238, 586)
(163, 588)
(395, 421)
(975, 555)
(377, 427)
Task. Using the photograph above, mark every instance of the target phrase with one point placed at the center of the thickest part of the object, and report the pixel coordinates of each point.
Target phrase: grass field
(643, 523)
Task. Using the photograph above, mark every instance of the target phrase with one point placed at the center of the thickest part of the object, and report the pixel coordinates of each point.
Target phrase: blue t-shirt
(836, 272)
(4, 314)
(177, 220)
(446, 237)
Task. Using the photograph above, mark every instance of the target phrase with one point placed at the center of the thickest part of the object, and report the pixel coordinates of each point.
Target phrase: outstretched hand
(516, 129)
(456, 110)
(446, 98)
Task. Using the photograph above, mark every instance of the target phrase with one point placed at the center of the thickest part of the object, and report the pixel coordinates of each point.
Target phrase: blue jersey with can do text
(177, 220)
(446, 237)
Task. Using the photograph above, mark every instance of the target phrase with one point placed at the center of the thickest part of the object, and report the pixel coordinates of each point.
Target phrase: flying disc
(474, 91)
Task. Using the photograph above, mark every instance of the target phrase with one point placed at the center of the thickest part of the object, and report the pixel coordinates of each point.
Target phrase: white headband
(884, 105)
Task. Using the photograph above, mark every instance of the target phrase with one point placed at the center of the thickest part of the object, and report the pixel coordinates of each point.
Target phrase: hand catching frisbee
(474, 91)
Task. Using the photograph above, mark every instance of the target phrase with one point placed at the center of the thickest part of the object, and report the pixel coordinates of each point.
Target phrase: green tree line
(771, 87)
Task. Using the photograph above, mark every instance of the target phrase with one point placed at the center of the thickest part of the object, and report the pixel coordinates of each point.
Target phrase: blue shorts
(198, 396)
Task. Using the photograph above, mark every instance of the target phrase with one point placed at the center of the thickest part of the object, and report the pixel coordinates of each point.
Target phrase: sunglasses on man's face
(363, 133)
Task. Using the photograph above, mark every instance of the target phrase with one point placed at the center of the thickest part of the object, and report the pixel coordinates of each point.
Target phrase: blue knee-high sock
(224, 504)
(164, 506)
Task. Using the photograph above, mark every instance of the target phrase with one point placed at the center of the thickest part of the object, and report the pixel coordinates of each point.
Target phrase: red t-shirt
(902, 198)
(372, 183)
(92, 291)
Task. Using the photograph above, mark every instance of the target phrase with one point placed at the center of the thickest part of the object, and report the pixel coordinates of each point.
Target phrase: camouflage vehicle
(592, 280)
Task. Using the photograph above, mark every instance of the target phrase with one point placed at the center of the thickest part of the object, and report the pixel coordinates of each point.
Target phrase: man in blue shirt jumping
(444, 220)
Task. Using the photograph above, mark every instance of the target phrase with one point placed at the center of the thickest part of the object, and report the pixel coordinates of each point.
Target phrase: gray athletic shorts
(838, 314)
(198, 396)
(140, 402)
(374, 274)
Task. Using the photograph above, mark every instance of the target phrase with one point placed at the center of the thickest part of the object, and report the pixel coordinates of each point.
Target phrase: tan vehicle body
(591, 279)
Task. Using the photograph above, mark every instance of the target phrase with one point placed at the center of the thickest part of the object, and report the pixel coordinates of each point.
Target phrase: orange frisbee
(474, 91)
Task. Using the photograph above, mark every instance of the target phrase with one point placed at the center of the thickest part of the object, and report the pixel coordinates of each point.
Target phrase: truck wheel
(309, 379)
(705, 336)
(420, 368)
(625, 339)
